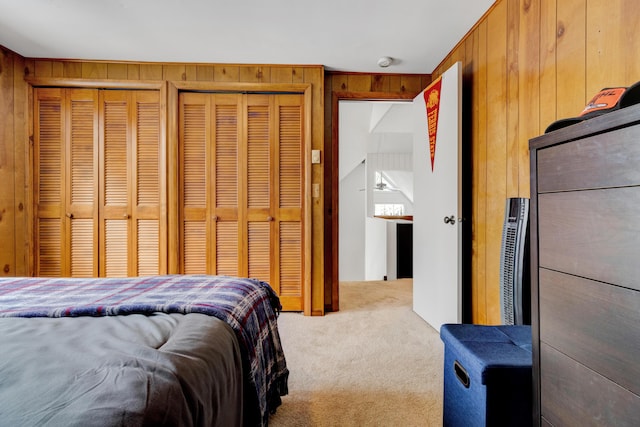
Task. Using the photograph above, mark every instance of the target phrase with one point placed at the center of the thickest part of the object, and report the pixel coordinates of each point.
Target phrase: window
(389, 209)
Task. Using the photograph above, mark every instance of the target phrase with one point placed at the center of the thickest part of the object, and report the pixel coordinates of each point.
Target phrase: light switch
(315, 156)
(316, 190)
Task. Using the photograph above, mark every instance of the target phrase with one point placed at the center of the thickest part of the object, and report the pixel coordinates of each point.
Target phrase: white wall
(392, 250)
(352, 227)
(375, 258)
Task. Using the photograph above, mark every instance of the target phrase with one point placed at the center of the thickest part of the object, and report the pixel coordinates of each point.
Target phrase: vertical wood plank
(281, 74)
(571, 57)
(479, 191)
(609, 62)
(380, 83)
(547, 67)
(23, 201)
(255, 74)
(151, 72)
(72, 70)
(513, 86)
(133, 72)
(204, 73)
(191, 72)
(226, 73)
(528, 90)
(94, 70)
(496, 160)
(359, 82)
(43, 69)
(411, 83)
(7, 166)
(57, 69)
(174, 72)
(297, 75)
(117, 71)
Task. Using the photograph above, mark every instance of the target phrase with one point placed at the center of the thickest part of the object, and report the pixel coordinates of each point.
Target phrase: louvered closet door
(98, 181)
(288, 242)
(66, 172)
(241, 188)
(209, 148)
(130, 225)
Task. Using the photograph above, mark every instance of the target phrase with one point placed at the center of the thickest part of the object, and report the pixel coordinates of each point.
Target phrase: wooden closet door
(288, 242)
(130, 218)
(209, 150)
(98, 183)
(242, 174)
(66, 171)
(273, 222)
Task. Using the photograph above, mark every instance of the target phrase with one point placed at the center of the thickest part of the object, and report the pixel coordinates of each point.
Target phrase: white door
(437, 232)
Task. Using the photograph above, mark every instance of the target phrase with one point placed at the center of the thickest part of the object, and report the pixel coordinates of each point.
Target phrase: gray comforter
(134, 370)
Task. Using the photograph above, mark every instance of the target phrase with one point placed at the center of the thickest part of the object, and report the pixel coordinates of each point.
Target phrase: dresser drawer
(594, 323)
(593, 234)
(573, 395)
(600, 161)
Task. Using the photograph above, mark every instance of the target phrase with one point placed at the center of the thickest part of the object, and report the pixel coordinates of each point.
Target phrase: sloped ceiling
(345, 35)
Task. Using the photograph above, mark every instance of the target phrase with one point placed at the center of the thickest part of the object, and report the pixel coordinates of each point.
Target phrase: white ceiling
(344, 35)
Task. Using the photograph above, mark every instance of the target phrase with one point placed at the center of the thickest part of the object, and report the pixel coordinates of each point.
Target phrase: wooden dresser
(585, 275)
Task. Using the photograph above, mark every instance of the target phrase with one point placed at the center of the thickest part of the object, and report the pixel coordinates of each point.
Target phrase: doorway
(333, 181)
(376, 186)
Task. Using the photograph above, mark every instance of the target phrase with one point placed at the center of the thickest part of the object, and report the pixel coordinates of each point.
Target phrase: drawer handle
(461, 374)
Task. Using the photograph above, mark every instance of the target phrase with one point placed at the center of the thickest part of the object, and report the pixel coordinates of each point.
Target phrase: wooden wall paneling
(94, 70)
(226, 73)
(117, 71)
(359, 82)
(380, 83)
(529, 89)
(513, 97)
(204, 73)
(7, 165)
(608, 60)
(22, 154)
(172, 72)
(191, 72)
(547, 66)
(496, 160)
(255, 74)
(571, 31)
(479, 184)
(133, 71)
(281, 74)
(72, 70)
(151, 71)
(43, 69)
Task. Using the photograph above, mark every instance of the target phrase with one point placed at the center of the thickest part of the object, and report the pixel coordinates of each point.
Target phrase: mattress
(161, 350)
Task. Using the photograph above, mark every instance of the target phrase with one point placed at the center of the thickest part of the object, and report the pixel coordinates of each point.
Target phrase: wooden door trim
(334, 174)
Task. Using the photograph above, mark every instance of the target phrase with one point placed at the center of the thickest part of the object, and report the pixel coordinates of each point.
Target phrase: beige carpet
(373, 363)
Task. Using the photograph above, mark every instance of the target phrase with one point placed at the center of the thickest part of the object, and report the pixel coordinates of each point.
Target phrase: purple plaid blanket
(249, 306)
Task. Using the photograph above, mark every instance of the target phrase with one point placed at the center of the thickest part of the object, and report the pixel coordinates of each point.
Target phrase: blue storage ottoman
(487, 375)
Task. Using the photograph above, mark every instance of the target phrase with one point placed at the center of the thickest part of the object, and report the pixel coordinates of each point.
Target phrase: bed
(173, 350)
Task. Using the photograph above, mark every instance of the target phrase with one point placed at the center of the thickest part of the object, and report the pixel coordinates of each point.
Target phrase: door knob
(450, 220)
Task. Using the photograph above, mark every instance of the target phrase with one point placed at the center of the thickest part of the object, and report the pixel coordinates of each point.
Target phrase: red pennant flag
(432, 102)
